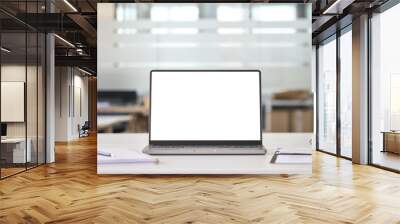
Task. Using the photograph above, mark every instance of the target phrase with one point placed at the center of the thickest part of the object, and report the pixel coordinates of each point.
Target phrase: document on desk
(126, 156)
(293, 159)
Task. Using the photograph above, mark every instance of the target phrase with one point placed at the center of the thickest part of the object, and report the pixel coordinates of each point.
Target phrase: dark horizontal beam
(78, 61)
(332, 29)
(49, 22)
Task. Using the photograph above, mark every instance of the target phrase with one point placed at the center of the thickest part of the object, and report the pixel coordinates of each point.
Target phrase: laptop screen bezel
(205, 142)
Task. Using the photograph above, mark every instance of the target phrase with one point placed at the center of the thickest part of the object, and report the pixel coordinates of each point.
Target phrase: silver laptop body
(184, 120)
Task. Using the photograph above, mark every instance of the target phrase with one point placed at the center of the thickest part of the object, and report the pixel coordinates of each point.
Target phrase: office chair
(84, 130)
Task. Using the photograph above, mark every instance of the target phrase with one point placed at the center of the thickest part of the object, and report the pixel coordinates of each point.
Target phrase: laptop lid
(205, 107)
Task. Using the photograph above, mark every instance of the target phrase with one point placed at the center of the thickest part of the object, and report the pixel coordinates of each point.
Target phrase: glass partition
(15, 149)
(23, 91)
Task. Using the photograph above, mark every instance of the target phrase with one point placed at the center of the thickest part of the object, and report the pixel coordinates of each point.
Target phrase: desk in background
(391, 141)
(207, 164)
(139, 113)
(13, 150)
(129, 109)
(106, 123)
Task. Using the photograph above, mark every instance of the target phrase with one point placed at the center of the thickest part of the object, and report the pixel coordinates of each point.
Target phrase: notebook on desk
(126, 156)
(292, 157)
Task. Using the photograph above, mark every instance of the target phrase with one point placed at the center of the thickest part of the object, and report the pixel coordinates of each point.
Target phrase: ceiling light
(5, 50)
(64, 40)
(70, 5)
(84, 71)
(338, 6)
(333, 6)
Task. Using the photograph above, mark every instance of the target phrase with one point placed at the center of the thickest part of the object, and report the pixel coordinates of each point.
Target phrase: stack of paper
(126, 156)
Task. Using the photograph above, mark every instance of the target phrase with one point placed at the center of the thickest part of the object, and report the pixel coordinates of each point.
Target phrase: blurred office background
(134, 39)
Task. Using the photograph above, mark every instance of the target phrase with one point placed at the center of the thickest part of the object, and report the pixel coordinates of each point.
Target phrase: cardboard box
(289, 120)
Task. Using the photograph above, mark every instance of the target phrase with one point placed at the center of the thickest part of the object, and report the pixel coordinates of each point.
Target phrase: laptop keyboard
(205, 149)
(203, 146)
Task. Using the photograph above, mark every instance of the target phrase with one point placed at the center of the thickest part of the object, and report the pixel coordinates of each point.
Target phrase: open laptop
(205, 112)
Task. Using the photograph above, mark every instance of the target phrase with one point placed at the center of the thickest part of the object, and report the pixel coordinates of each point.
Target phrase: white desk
(132, 109)
(106, 122)
(19, 155)
(207, 164)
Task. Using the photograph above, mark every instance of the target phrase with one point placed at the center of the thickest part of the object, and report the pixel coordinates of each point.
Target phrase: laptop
(205, 112)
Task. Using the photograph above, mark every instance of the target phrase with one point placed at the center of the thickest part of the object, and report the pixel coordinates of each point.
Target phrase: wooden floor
(5, 172)
(386, 159)
(70, 191)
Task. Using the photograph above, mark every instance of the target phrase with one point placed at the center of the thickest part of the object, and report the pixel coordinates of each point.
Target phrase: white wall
(12, 73)
(70, 83)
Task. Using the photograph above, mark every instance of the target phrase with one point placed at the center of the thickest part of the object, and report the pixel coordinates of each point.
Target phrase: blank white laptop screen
(205, 106)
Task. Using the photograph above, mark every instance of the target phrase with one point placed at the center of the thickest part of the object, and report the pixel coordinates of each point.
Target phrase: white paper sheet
(293, 159)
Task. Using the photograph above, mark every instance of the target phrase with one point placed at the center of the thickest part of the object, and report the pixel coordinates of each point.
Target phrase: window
(346, 94)
(385, 89)
(334, 106)
(394, 102)
(327, 97)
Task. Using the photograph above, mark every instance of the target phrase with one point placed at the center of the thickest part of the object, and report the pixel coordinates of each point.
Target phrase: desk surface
(207, 164)
(14, 140)
(390, 132)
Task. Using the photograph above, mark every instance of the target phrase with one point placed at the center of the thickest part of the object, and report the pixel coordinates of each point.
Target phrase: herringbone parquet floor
(70, 191)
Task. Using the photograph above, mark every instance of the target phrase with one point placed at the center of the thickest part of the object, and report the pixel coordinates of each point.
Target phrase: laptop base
(203, 150)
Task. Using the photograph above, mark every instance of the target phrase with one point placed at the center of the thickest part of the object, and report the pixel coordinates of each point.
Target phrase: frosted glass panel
(273, 38)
